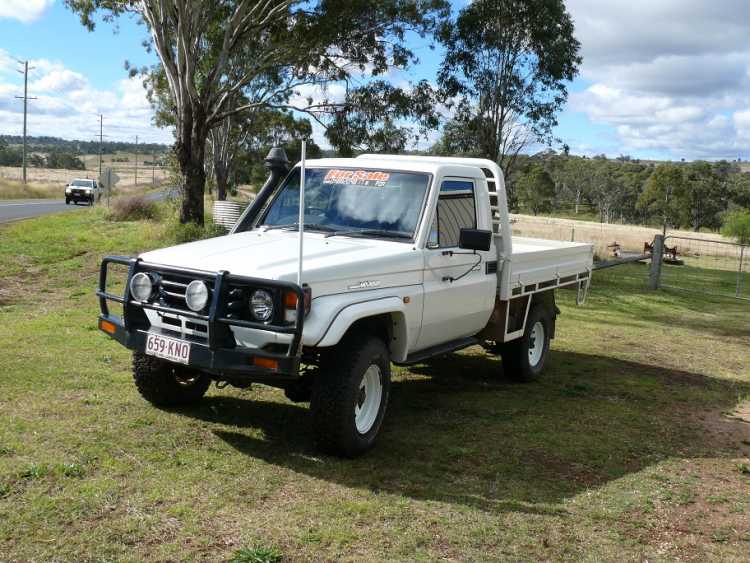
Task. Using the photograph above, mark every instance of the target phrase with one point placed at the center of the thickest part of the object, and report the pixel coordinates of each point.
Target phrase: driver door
(459, 308)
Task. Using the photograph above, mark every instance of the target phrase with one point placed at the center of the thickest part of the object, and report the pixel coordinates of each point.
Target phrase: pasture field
(50, 182)
(630, 237)
(634, 445)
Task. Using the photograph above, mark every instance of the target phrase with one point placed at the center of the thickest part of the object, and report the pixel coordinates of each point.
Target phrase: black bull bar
(218, 354)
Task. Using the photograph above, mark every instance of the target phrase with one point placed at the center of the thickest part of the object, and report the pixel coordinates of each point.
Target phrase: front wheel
(524, 359)
(350, 396)
(165, 384)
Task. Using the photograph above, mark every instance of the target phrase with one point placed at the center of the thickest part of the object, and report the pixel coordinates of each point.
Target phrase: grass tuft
(258, 554)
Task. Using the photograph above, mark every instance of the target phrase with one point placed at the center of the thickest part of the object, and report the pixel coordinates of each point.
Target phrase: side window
(456, 210)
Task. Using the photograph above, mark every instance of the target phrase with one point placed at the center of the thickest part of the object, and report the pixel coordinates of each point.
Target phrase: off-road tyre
(336, 393)
(518, 364)
(67, 201)
(165, 384)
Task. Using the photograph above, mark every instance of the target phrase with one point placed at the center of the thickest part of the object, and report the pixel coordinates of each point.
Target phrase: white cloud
(23, 10)
(668, 75)
(67, 105)
(59, 81)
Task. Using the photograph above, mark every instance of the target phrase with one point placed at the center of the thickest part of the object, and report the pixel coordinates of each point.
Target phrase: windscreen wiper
(372, 233)
(295, 227)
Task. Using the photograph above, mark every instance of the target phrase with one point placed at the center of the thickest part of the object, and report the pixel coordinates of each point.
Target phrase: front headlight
(261, 305)
(196, 295)
(67, 189)
(141, 286)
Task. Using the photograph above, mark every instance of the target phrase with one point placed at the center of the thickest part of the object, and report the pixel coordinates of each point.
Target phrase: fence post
(739, 272)
(657, 254)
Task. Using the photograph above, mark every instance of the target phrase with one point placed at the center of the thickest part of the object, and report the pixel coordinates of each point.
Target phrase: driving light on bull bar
(141, 286)
(261, 305)
(196, 295)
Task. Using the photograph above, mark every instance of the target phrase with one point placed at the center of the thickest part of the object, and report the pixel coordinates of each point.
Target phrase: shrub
(192, 231)
(133, 208)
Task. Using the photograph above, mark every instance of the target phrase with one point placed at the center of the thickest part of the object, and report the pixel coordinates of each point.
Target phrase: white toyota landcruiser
(405, 258)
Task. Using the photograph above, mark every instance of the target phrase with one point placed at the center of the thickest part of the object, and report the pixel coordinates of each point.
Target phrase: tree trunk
(191, 151)
(221, 173)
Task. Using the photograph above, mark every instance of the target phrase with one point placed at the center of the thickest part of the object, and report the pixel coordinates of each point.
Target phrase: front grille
(171, 290)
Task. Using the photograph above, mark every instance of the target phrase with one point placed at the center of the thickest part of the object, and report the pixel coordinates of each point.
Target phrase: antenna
(301, 220)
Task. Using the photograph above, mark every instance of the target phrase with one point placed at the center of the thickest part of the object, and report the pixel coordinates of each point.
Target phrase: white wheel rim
(536, 343)
(369, 396)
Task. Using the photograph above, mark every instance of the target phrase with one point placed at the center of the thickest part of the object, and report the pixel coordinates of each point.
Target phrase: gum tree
(211, 51)
(505, 71)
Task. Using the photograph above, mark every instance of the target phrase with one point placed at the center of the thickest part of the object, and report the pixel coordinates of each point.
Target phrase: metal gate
(706, 265)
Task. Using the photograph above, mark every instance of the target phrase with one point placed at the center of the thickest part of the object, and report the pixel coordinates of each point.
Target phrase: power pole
(153, 168)
(101, 136)
(136, 160)
(26, 99)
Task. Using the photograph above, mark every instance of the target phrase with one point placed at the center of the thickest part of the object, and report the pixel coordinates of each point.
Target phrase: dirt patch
(742, 412)
(703, 503)
(729, 431)
(7, 293)
(702, 508)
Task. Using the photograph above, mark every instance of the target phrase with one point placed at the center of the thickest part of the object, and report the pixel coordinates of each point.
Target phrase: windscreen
(343, 200)
(82, 183)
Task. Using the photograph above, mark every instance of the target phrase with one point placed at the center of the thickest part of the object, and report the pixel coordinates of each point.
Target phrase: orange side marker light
(267, 363)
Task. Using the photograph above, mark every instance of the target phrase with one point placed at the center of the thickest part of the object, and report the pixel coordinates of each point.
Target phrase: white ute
(405, 258)
(83, 189)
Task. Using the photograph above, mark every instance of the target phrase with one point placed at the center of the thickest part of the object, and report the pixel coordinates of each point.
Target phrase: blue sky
(666, 79)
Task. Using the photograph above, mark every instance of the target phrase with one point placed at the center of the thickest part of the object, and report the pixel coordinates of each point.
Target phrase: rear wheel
(524, 359)
(350, 396)
(165, 384)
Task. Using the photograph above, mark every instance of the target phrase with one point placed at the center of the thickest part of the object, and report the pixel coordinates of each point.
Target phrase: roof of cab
(384, 162)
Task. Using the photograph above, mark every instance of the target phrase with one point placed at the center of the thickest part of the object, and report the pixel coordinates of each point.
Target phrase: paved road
(15, 209)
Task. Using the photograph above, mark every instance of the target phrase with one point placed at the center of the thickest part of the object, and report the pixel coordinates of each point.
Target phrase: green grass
(622, 451)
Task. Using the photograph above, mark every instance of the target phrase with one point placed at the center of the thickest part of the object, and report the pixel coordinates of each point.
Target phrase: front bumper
(235, 362)
(217, 354)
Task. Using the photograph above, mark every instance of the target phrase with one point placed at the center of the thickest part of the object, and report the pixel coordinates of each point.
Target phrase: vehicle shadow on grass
(456, 432)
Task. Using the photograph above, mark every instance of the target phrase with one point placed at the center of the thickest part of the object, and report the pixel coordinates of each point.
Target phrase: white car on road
(83, 190)
(405, 258)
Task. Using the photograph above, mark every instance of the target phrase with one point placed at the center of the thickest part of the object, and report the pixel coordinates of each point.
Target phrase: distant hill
(46, 144)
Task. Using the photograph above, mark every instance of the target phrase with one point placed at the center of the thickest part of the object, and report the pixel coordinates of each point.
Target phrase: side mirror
(475, 239)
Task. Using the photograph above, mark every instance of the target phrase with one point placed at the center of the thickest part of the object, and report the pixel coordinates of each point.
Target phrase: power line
(26, 99)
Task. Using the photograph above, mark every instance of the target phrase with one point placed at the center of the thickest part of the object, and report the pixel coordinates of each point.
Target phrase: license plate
(168, 348)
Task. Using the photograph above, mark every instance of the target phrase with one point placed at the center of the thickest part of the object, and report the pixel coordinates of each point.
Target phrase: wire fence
(708, 266)
(610, 240)
(698, 262)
